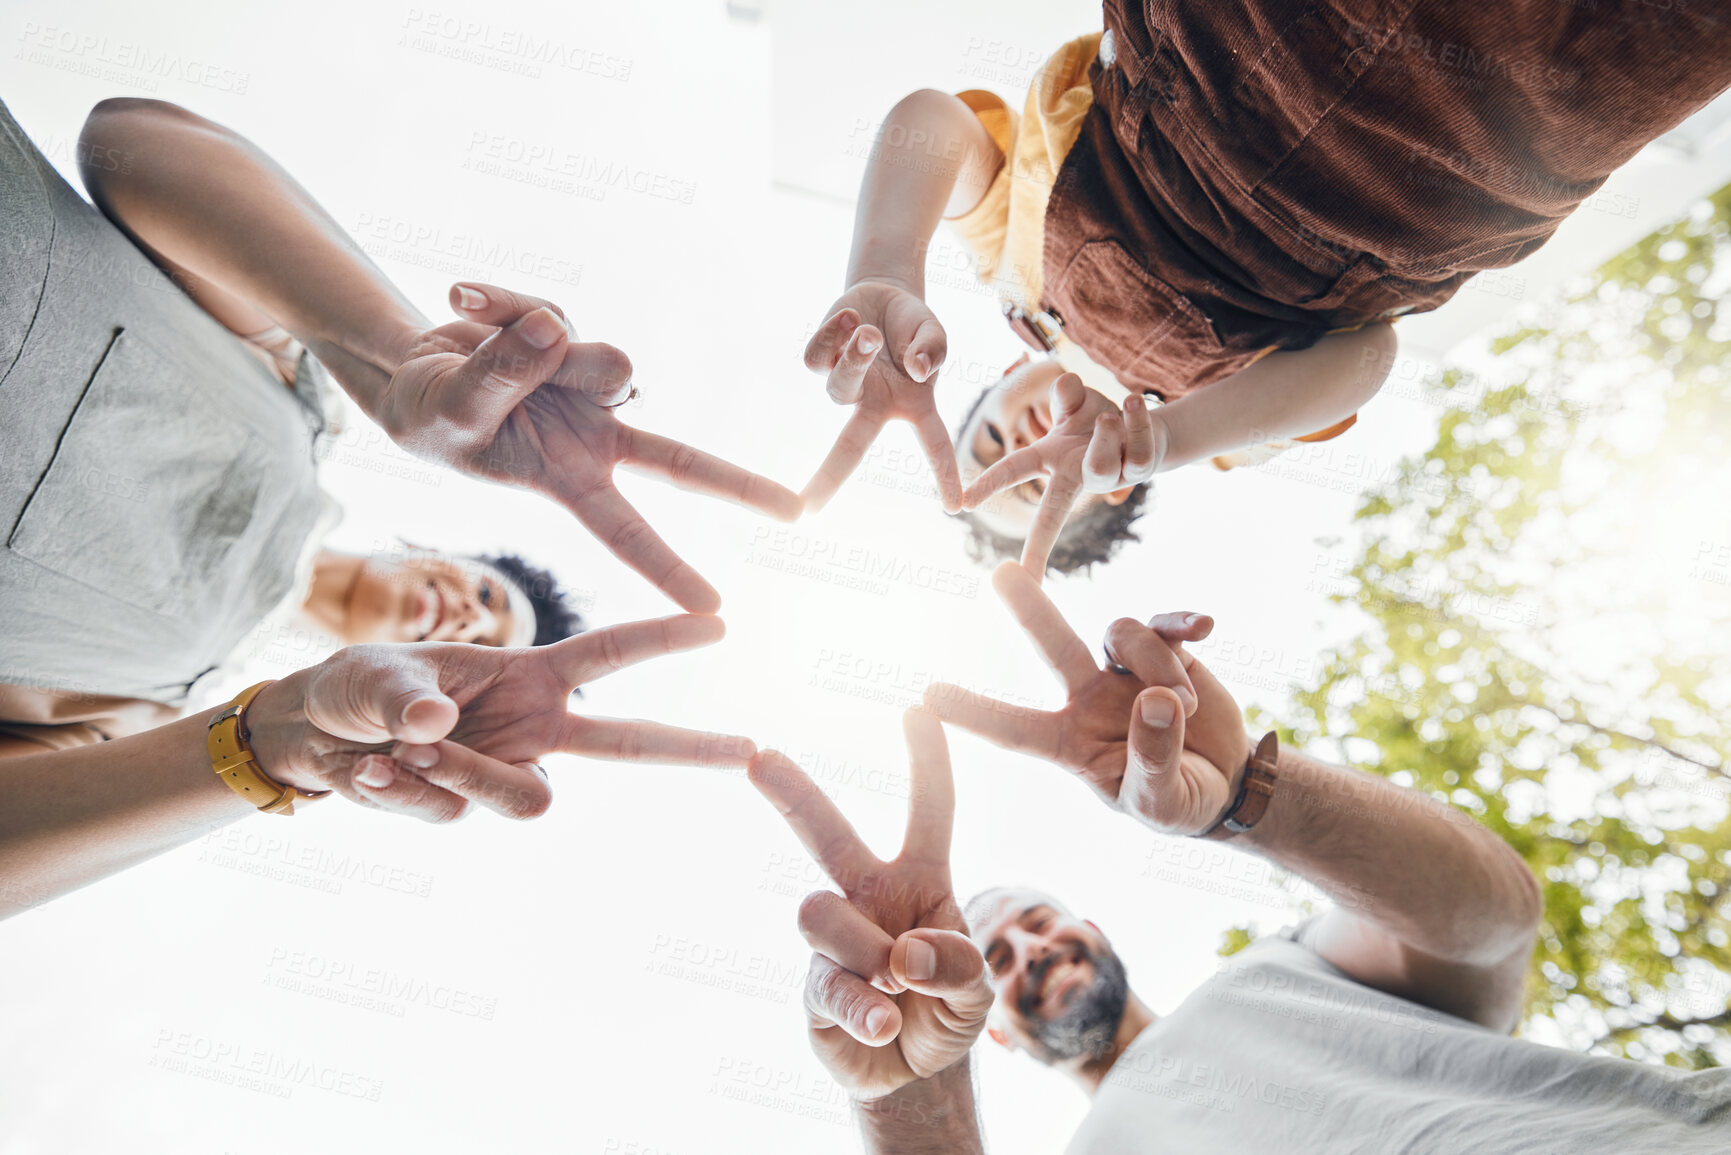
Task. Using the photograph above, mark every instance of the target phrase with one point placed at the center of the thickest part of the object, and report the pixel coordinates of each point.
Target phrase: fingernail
(1134, 401)
(876, 1020)
(468, 298)
(922, 961)
(376, 773)
(409, 710)
(921, 366)
(868, 344)
(420, 757)
(541, 328)
(1190, 619)
(1157, 711)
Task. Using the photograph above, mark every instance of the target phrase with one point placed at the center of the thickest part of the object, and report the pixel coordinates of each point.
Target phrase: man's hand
(430, 729)
(896, 991)
(510, 395)
(1091, 448)
(1123, 730)
(893, 384)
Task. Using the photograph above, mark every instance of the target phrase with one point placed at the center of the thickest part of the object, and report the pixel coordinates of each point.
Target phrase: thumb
(368, 694)
(944, 964)
(1152, 786)
(1067, 396)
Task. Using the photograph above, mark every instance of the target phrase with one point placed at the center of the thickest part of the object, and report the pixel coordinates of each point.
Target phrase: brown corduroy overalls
(1255, 173)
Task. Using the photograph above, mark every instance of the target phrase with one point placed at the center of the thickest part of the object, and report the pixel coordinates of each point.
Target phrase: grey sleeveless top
(157, 481)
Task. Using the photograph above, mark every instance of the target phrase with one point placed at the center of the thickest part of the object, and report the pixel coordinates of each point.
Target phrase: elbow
(118, 130)
(1490, 931)
(927, 121)
(1376, 353)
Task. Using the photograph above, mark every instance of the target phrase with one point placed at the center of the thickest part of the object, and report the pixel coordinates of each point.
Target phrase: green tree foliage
(1548, 644)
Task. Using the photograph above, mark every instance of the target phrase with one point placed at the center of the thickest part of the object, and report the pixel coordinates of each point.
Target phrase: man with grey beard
(1380, 1025)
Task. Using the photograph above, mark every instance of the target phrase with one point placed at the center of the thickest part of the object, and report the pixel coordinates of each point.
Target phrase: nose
(473, 619)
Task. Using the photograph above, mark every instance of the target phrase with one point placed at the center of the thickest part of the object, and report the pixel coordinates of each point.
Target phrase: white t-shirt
(1281, 1052)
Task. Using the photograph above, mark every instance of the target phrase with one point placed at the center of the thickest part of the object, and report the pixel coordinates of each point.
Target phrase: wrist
(931, 1114)
(275, 722)
(900, 277)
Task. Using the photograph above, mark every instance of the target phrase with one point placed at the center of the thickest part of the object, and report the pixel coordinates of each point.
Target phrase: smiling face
(1061, 988)
(434, 599)
(1013, 414)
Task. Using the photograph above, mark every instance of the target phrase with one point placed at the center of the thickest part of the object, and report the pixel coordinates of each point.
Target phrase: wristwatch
(232, 758)
(1255, 788)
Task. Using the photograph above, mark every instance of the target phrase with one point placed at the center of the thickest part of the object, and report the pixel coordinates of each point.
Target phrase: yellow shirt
(1006, 231)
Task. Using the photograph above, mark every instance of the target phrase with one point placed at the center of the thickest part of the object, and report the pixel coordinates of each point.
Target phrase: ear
(1120, 496)
(1000, 1038)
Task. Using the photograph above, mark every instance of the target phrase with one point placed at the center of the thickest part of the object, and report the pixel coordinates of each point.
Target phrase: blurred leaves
(1548, 643)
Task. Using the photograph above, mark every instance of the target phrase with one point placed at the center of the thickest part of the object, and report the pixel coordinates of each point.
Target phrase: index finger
(596, 654)
(819, 826)
(1062, 490)
(935, 440)
(1011, 469)
(701, 472)
(495, 305)
(604, 511)
(1040, 619)
(850, 449)
(632, 740)
(932, 801)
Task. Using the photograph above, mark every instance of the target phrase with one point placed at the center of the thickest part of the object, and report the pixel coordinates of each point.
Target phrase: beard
(1089, 1024)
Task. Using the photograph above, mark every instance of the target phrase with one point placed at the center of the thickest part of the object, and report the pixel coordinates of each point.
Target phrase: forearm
(71, 817)
(934, 1116)
(204, 200)
(1284, 395)
(931, 157)
(1423, 871)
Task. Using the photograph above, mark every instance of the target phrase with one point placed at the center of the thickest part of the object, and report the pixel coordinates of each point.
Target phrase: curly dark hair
(1085, 541)
(555, 620)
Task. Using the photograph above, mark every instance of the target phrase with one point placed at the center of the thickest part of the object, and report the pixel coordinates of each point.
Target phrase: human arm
(427, 730)
(1099, 449)
(897, 992)
(1283, 395)
(932, 158)
(507, 393)
(1430, 904)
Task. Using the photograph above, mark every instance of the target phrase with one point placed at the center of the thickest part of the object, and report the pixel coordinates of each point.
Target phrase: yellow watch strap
(232, 758)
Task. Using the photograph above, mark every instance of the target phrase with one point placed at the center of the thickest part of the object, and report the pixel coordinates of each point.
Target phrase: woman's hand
(431, 729)
(884, 384)
(1092, 447)
(509, 395)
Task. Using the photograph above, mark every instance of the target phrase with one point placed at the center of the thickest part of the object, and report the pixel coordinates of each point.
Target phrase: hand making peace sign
(896, 991)
(510, 395)
(1153, 734)
(885, 384)
(1092, 447)
(428, 729)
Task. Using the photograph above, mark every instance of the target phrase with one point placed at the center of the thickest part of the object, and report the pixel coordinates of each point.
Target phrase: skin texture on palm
(897, 992)
(883, 383)
(433, 729)
(1118, 721)
(508, 395)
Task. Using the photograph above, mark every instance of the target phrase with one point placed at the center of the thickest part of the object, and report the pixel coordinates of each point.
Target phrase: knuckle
(628, 534)
(612, 654)
(610, 363)
(812, 908)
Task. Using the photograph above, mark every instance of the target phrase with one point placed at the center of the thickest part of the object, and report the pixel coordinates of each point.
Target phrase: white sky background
(599, 952)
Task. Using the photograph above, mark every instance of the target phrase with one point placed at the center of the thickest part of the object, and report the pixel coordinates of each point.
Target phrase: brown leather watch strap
(1255, 790)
